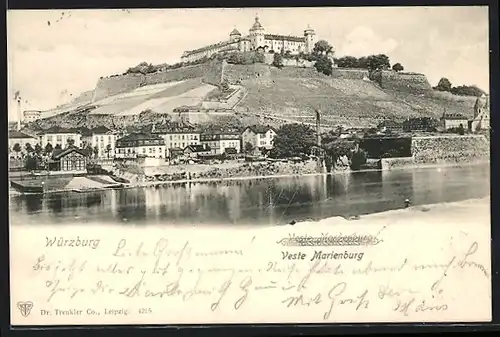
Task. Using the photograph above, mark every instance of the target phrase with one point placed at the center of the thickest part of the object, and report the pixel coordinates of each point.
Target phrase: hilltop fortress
(256, 39)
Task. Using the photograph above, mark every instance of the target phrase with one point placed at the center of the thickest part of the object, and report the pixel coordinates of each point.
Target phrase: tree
(347, 62)
(461, 130)
(335, 147)
(444, 84)
(378, 62)
(249, 147)
(95, 150)
(324, 65)
(278, 61)
(398, 67)
(48, 149)
(38, 149)
(89, 150)
(466, 90)
(108, 149)
(293, 140)
(29, 148)
(70, 143)
(322, 48)
(16, 148)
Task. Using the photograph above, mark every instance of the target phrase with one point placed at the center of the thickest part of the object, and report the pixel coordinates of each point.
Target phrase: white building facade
(220, 141)
(257, 38)
(259, 137)
(31, 115)
(178, 138)
(140, 145)
(62, 137)
(102, 139)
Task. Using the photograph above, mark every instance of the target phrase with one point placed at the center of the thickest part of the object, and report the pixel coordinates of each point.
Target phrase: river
(259, 201)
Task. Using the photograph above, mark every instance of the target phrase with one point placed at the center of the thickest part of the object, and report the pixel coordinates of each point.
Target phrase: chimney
(318, 133)
(19, 114)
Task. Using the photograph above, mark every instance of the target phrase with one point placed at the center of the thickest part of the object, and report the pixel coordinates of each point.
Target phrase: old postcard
(254, 165)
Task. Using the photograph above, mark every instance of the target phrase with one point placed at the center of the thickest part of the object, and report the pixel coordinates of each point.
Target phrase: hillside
(346, 97)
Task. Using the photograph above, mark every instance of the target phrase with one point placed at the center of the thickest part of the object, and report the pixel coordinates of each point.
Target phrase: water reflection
(259, 201)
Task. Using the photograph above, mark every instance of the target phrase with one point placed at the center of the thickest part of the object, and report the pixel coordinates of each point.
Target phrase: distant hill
(346, 97)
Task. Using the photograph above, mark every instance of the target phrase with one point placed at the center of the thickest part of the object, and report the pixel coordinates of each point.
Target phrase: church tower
(311, 39)
(257, 34)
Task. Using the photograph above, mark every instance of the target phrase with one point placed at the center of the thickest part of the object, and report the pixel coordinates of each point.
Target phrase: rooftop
(198, 148)
(260, 128)
(235, 32)
(140, 136)
(284, 38)
(58, 155)
(256, 24)
(454, 117)
(19, 135)
(211, 46)
(58, 129)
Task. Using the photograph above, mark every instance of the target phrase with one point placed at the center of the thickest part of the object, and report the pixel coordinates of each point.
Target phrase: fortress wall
(110, 86)
(213, 73)
(178, 74)
(412, 82)
(240, 72)
(349, 74)
(210, 73)
(295, 72)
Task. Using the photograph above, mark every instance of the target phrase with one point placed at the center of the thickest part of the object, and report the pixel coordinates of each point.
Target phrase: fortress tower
(256, 34)
(311, 39)
(234, 35)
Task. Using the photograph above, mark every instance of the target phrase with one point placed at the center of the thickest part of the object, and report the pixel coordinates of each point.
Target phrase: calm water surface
(259, 201)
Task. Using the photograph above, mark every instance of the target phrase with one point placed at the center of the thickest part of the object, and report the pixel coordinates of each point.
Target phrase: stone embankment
(443, 150)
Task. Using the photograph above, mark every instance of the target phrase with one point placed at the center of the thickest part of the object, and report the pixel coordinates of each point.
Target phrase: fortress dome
(256, 24)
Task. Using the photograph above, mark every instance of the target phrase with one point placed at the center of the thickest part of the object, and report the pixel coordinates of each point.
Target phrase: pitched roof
(58, 129)
(139, 136)
(198, 148)
(19, 135)
(260, 128)
(235, 32)
(284, 38)
(100, 130)
(454, 117)
(212, 46)
(67, 151)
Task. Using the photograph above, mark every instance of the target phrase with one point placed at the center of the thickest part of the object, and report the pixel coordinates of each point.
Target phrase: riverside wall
(443, 150)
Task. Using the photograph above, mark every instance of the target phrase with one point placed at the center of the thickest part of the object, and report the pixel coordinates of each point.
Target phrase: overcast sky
(55, 54)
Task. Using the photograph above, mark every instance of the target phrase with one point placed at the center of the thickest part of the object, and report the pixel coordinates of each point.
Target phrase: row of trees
(49, 150)
(298, 140)
(444, 84)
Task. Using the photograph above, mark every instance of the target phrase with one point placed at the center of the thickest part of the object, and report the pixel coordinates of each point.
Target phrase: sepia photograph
(249, 165)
